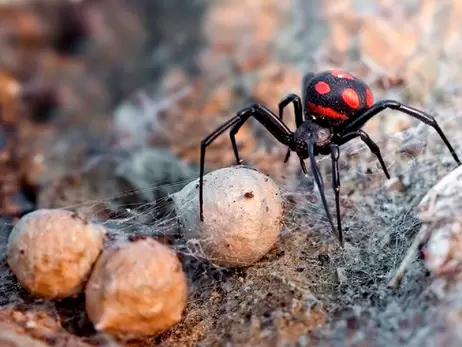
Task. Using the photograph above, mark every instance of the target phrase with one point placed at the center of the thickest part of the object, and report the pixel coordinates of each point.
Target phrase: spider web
(377, 216)
(378, 222)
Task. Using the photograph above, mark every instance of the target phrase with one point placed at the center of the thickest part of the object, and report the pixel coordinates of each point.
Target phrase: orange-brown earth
(65, 68)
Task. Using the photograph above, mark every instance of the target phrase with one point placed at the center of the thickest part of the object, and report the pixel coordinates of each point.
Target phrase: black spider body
(334, 107)
(321, 135)
(335, 97)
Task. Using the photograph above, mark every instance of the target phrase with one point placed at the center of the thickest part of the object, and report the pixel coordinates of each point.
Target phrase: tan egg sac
(52, 252)
(137, 289)
(243, 212)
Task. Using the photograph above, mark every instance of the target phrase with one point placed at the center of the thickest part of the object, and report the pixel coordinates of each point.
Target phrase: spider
(334, 107)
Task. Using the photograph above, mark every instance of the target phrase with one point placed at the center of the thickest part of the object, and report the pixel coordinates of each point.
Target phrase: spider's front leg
(264, 116)
(204, 144)
(335, 155)
(298, 110)
(311, 144)
(378, 107)
(267, 118)
(294, 99)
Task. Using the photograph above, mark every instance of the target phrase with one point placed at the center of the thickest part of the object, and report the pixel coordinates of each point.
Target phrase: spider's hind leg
(295, 99)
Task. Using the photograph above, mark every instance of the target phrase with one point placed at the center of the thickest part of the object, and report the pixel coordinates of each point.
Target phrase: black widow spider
(334, 107)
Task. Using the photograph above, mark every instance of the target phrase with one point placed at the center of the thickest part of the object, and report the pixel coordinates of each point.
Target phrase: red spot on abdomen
(369, 98)
(326, 111)
(351, 98)
(342, 74)
(322, 87)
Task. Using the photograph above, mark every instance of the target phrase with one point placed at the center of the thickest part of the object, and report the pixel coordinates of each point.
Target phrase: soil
(99, 96)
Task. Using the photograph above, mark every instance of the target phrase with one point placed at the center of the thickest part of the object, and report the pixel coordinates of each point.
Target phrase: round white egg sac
(243, 214)
(52, 252)
(136, 289)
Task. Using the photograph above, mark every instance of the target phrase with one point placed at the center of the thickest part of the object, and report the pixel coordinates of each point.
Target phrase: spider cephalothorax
(334, 107)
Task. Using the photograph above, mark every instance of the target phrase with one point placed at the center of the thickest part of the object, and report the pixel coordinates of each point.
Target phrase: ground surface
(91, 88)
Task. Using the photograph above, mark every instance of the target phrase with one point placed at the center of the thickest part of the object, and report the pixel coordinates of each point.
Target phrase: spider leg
(373, 147)
(335, 155)
(298, 105)
(302, 164)
(286, 159)
(319, 181)
(413, 112)
(263, 115)
(295, 99)
(266, 118)
(298, 110)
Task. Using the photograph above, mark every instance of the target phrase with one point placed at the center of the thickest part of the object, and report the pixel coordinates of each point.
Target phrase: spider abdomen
(335, 96)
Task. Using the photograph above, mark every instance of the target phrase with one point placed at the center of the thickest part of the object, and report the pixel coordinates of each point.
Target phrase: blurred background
(103, 96)
(90, 79)
(85, 84)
